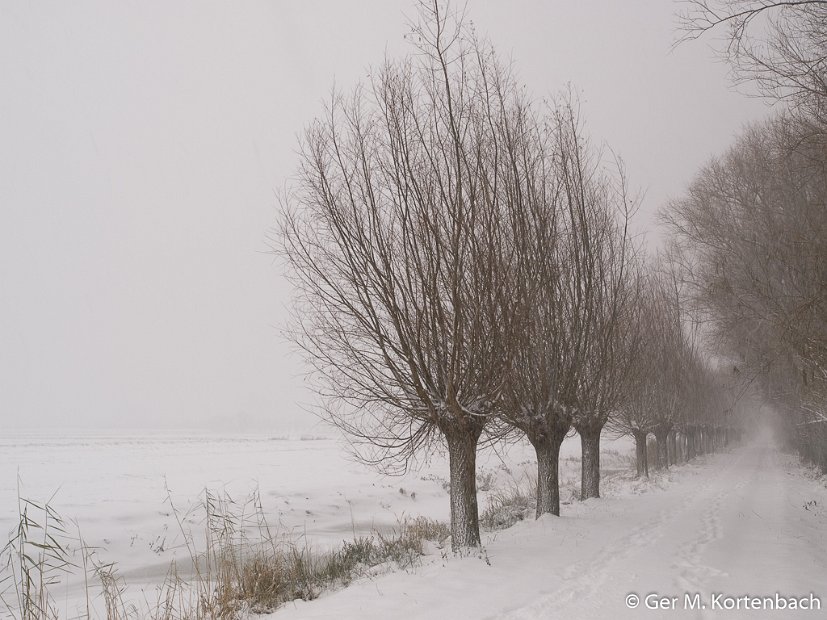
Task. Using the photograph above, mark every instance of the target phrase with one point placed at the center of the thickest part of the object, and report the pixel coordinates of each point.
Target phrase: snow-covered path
(745, 522)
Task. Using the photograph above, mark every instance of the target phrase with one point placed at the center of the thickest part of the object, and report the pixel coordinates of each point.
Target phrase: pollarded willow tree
(395, 230)
(544, 360)
(603, 283)
(654, 385)
(540, 347)
(678, 355)
(574, 277)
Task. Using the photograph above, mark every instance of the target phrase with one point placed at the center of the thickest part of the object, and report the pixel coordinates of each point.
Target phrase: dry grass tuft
(243, 566)
(509, 505)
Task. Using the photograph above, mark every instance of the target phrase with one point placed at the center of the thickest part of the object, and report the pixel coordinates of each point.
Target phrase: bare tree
(753, 233)
(543, 348)
(653, 394)
(394, 234)
(573, 280)
(677, 356)
(779, 46)
(602, 282)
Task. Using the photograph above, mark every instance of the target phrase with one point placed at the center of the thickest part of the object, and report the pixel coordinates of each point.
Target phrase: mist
(142, 146)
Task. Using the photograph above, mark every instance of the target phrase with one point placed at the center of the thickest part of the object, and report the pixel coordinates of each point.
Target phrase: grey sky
(140, 146)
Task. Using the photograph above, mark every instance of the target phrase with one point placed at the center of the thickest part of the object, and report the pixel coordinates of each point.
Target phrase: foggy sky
(141, 145)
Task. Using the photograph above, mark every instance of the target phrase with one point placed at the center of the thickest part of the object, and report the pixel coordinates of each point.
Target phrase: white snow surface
(114, 487)
(748, 521)
(732, 524)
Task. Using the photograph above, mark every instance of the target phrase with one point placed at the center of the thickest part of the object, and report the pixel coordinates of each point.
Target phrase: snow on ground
(745, 522)
(115, 487)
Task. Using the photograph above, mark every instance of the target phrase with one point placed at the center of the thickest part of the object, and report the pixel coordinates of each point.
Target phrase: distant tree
(396, 234)
(753, 233)
(655, 376)
(677, 357)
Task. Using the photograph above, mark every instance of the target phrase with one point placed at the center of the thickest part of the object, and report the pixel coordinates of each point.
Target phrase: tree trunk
(590, 476)
(663, 458)
(646, 458)
(548, 480)
(690, 443)
(462, 462)
(640, 453)
(822, 452)
(672, 444)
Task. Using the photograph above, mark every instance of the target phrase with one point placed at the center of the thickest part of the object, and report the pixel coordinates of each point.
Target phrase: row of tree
(674, 394)
(752, 229)
(753, 232)
(466, 272)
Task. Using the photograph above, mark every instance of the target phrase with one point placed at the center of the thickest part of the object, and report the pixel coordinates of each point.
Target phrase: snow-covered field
(117, 488)
(746, 522)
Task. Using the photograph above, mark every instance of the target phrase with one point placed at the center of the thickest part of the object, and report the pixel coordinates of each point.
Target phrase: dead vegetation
(242, 566)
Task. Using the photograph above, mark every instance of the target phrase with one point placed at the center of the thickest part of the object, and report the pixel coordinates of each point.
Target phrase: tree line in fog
(466, 274)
